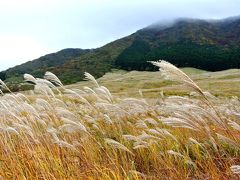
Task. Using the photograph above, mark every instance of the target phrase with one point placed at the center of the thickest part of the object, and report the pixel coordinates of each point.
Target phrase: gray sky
(32, 28)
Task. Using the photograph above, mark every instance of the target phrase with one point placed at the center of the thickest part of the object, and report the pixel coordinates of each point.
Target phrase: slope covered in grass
(124, 83)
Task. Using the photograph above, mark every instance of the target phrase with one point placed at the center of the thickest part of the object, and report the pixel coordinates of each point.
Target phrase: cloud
(17, 49)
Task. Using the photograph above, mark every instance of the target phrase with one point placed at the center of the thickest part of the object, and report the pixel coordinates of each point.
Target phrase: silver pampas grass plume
(171, 72)
(235, 169)
(52, 78)
(29, 78)
(89, 77)
(117, 145)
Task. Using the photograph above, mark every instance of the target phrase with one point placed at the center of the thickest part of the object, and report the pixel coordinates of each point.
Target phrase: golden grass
(88, 133)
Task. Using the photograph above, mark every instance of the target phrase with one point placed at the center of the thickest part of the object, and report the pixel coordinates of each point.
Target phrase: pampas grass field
(58, 132)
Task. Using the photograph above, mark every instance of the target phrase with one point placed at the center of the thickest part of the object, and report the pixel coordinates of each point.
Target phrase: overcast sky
(32, 28)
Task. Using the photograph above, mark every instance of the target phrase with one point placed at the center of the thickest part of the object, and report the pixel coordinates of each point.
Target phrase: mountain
(51, 61)
(206, 44)
(209, 45)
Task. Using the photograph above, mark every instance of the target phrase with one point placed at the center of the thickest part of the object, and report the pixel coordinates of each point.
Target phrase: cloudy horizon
(30, 29)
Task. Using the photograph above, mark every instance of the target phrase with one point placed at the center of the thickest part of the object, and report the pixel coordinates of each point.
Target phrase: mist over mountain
(186, 42)
(205, 44)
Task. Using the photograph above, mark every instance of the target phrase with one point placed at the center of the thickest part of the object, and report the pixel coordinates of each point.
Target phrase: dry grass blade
(234, 125)
(229, 141)
(4, 86)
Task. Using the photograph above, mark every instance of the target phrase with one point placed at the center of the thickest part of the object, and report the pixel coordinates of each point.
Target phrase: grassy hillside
(208, 45)
(123, 83)
(45, 63)
(97, 61)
